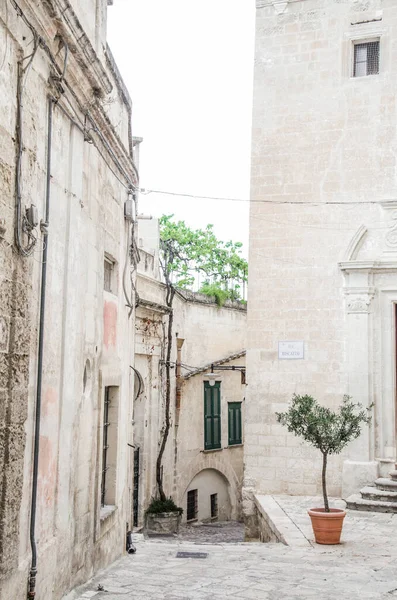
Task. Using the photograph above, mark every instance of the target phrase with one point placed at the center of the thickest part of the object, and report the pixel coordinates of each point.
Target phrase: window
(212, 415)
(191, 512)
(109, 446)
(234, 410)
(214, 506)
(366, 59)
(108, 275)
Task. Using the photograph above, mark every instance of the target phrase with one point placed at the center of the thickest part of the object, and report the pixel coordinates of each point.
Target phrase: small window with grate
(214, 506)
(109, 446)
(108, 275)
(191, 512)
(366, 59)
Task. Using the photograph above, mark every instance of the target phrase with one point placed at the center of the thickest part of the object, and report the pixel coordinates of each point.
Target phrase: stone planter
(167, 522)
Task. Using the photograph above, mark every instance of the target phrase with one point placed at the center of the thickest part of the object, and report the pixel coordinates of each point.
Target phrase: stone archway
(211, 497)
(212, 462)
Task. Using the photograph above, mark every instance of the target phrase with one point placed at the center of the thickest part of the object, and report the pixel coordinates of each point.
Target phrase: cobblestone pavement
(365, 534)
(225, 532)
(362, 568)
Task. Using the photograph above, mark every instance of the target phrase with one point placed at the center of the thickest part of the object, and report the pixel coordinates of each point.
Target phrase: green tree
(329, 431)
(184, 252)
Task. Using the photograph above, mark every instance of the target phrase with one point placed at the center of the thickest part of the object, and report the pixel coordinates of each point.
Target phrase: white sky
(188, 65)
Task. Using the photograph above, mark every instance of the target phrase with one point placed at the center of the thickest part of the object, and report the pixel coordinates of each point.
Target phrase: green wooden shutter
(216, 411)
(212, 416)
(234, 423)
(207, 417)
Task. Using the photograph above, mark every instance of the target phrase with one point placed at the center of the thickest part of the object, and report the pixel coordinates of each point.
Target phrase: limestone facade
(84, 167)
(323, 253)
(204, 334)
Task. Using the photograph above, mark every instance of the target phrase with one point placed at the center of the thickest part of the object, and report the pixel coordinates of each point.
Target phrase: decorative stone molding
(358, 304)
(390, 207)
(368, 266)
(355, 243)
(358, 300)
(391, 236)
(280, 6)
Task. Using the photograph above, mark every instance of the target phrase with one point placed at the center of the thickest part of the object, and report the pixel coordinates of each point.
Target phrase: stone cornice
(71, 30)
(388, 204)
(86, 81)
(370, 266)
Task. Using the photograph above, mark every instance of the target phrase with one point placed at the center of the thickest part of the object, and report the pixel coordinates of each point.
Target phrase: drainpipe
(44, 229)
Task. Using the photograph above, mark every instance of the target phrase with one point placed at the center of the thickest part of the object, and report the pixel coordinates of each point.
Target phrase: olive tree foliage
(327, 430)
(185, 252)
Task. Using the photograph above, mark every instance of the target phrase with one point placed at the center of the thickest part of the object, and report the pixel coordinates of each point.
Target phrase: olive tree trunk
(324, 482)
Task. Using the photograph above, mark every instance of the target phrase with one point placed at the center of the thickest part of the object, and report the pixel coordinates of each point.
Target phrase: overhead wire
(146, 192)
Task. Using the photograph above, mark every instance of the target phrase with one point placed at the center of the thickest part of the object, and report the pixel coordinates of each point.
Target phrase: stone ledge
(275, 525)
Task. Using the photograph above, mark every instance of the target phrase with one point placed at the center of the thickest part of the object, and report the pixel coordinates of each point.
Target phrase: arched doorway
(207, 497)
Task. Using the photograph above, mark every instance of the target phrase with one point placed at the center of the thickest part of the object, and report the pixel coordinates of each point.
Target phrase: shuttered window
(234, 412)
(212, 415)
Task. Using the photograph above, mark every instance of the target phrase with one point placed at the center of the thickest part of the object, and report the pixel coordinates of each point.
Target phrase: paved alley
(362, 567)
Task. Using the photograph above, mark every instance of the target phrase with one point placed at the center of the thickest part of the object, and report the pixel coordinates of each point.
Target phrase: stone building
(202, 466)
(66, 326)
(323, 244)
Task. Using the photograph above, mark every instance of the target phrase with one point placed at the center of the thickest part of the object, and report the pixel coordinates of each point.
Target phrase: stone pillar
(360, 469)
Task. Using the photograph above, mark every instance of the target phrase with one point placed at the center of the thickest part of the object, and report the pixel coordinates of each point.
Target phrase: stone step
(393, 475)
(384, 483)
(374, 493)
(356, 502)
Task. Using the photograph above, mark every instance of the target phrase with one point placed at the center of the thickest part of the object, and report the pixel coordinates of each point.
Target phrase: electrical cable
(146, 192)
(20, 221)
(126, 296)
(65, 60)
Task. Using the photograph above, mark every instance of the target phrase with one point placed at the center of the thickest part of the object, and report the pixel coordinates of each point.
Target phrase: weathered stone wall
(88, 338)
(322, 164)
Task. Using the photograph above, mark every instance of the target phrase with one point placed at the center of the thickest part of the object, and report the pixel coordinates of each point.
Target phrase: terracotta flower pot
(327, 527)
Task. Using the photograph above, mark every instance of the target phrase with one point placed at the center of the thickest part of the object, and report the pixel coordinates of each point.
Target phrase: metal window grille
(214, 506)
(105, 445)
(191, 512)
(107, 275)
(136, 487)
(366, 59)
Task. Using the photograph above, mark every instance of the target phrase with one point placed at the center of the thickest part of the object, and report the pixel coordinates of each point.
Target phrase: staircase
(382, 497)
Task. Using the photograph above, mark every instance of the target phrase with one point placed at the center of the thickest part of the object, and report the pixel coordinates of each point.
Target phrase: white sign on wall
(291, 350)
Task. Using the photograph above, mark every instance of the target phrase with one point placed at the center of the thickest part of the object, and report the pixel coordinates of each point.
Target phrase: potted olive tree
(163, 516)
(329, 431)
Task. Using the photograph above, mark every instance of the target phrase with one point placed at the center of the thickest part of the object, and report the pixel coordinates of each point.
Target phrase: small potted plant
(162, 516)
(329, 431)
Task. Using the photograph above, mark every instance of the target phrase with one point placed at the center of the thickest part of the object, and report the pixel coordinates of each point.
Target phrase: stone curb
(279, 523)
